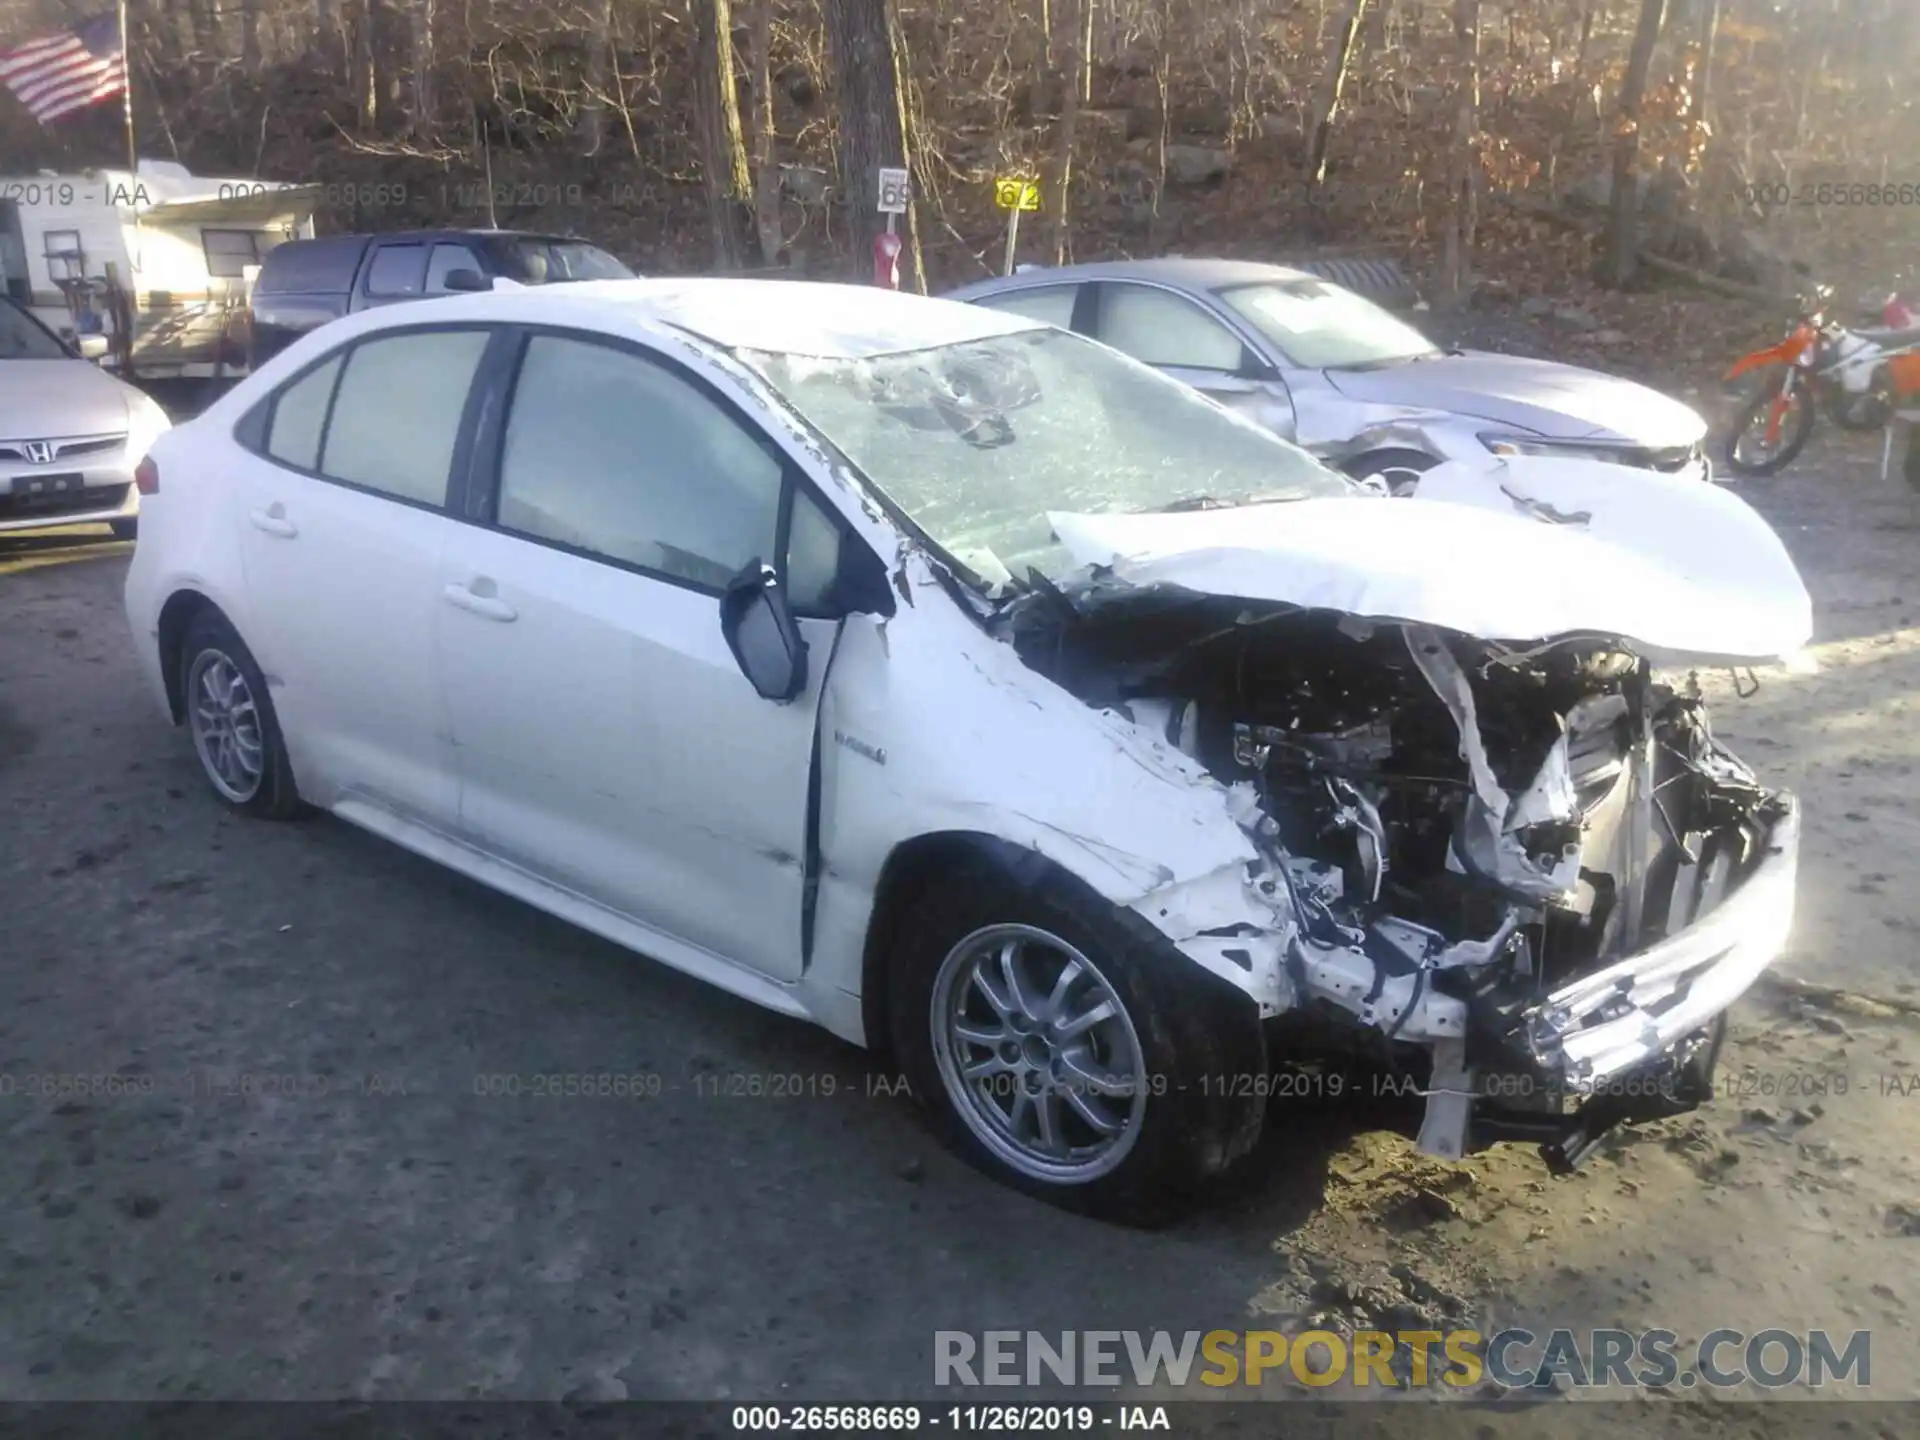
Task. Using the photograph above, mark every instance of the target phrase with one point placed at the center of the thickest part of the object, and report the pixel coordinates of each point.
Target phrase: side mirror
(466, 279)
(90, 347)
(1254, 367)
(761, 632)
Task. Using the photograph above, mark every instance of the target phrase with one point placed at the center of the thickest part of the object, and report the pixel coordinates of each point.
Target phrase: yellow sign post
(1013, 195)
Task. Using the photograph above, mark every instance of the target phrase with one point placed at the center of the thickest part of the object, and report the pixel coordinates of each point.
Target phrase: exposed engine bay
(1468, 832)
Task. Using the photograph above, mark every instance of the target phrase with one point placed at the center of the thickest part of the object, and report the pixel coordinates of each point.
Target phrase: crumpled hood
(1685, 572)
(43, 399)
(1560, 401)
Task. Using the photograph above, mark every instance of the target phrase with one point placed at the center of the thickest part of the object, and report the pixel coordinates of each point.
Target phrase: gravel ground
(308, 1195)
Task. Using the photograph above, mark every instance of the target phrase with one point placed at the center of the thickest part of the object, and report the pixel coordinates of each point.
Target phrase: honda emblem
(39, 452)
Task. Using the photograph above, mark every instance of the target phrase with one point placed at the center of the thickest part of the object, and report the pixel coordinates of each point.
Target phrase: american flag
(58, 74)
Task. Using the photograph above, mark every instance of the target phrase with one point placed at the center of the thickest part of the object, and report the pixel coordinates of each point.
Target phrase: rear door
(343, 522)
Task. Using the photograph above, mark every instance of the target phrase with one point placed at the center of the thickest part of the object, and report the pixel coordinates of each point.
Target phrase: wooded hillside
(1478, 141)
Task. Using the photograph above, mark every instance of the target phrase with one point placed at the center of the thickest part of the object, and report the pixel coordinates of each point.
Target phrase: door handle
(274, 521)
(487, 606)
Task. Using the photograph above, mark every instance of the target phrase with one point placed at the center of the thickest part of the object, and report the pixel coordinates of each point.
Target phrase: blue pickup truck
(305, 283)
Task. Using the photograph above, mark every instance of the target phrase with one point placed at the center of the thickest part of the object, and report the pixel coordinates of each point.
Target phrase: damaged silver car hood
(1541, 396)
(1522, 550)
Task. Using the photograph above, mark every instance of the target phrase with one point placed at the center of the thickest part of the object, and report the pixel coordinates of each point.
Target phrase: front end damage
(1529, 876)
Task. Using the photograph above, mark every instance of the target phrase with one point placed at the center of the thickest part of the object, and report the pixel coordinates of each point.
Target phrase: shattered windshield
(976, 442)
(1322, 326)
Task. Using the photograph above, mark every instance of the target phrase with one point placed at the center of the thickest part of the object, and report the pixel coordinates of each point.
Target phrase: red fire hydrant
(886, 260)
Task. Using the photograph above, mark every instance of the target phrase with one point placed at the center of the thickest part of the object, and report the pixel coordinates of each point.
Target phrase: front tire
(1771, 456)
(1067, 1049)
(1400, 469)
(230, 717)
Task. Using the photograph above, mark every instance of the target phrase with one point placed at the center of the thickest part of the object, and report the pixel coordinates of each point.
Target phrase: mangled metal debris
(1511, 860)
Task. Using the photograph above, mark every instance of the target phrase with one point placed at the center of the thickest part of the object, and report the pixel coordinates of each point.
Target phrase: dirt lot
(377, 1228)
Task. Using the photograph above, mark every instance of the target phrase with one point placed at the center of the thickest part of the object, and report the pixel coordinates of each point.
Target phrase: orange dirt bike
(1859, 375)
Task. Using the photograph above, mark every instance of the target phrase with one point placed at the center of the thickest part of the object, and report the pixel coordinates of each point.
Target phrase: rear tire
(230, 716)
(124, 529)
(1184, 1033)
(1796, 429)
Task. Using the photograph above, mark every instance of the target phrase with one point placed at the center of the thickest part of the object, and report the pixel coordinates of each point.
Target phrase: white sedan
(986, 697)
(71, 435)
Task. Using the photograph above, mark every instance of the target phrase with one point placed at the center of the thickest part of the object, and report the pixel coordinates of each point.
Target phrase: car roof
(791, 317)
(1190, 273)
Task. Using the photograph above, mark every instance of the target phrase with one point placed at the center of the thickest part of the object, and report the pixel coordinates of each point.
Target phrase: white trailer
(181, 248)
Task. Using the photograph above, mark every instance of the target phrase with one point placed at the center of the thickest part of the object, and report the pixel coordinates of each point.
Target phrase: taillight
(146, 475)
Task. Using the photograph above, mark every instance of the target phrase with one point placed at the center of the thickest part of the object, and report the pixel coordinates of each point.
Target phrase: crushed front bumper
(1628, 1015)
(1637, 1040)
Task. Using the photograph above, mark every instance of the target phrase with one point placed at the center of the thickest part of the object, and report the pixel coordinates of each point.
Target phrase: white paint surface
(1684, 570)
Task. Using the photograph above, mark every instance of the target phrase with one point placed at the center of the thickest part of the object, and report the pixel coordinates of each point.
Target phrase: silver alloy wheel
(225, 724)
(1038, 1054)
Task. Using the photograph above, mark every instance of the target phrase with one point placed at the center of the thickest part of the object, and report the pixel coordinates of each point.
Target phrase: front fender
(929, 725)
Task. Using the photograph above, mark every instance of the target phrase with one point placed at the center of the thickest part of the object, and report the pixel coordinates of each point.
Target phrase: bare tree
(723, 149)
(1699, 119)
(1058, 185)
(424, 101)
(766, 164)
(1622, 253)
(593, 105)
(1326, 113)
(1456, 264)
(865, 42)
(250, 36)
(364, 74)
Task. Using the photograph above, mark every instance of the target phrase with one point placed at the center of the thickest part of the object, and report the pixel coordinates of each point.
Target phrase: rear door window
(299, 414)
(396, 414)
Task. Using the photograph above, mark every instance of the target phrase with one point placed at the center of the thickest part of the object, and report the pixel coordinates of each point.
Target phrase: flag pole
(132, 291)
(126, 103)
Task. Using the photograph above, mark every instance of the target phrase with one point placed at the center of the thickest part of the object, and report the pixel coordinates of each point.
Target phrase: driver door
(1182, 339)
(604, 736)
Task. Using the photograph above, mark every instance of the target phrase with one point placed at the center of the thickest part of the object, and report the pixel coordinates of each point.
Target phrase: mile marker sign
(1016, 194)
(896, 189)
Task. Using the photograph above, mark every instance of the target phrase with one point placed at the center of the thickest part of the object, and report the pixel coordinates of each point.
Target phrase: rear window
(312, 266)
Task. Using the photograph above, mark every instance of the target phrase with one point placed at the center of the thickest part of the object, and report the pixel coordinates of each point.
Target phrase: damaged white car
(993, 700)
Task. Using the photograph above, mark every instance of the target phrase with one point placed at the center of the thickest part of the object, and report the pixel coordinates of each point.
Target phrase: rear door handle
(274, 521)
(487, 605)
